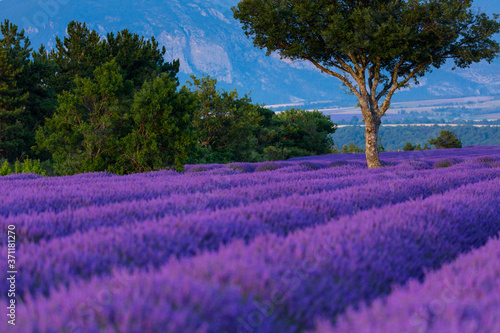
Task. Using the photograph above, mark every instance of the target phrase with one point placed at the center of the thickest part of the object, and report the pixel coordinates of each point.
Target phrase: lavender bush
(459, 297)
(249, 247)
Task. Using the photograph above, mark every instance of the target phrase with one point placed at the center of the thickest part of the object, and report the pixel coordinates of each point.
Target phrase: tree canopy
(446, 139)
(83, 50)
(14, 61)
(114, 104)
(374, 47)
(106, 124)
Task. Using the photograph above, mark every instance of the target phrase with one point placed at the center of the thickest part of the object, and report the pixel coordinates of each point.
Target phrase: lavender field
(317, 244)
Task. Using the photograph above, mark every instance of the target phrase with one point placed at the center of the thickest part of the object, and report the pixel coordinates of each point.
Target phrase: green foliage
(396, 137)
(26, 166)
(408, 147)
(335, 150)
(101, 125)
(83, 50)
(82, 134)
(373, 47)
(352, 148)
(277, 153)
(446, 139)
(14, 59)
(266, 167)
(32, 166)
(161, 121)
(5, 169)
(330, 32)
(380, 146)
(95, 104)
(231, 128)
(224, 123)
(306, 131)
(445, 163)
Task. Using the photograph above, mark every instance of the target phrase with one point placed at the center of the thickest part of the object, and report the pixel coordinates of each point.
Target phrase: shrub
(344, 163)
(17, 167)
(408, 147)
(414, 165)
(267, 167)
(241, 167)
(5, 169)
(446, 139)
(486, 159)
(32, 166)
(274, 153)
(197, 169)
(352, 148)
(310, 165)
(445, 163)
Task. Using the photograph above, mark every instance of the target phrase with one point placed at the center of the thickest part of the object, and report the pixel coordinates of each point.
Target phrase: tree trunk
(371, 140)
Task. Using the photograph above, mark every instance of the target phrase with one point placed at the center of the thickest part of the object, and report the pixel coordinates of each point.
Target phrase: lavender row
(281, 284)
(97, 252)
(467, 153)
(59, 193)
(27, 193)
(39, 194)
(48, 225)
(460, 297)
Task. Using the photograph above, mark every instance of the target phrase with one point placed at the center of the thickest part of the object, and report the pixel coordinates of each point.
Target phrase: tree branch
(337, 75)
(397, 85)
(374, 80)
(394, 79)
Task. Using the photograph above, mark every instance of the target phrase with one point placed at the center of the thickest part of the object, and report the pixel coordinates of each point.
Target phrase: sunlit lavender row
(265, 247)
(29, 193)
(280, 284)
(460, 297)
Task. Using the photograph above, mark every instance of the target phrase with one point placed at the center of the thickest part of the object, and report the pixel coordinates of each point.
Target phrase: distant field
(270, 247)
(489, 104)
(394, 137)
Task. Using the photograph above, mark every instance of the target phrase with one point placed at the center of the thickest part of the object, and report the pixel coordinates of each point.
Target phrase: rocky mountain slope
(205, 37)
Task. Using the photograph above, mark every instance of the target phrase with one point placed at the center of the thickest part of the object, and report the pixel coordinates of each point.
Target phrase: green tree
(14, 61)
(82, 134)
(83, 50)
(77, 55)
(408, 147)
(352, 148)
(224, 122)
(162, 135)
(5, 169)
(446, 139)
(373, 47)
(105, 124)
(138, 57)
(306, 132)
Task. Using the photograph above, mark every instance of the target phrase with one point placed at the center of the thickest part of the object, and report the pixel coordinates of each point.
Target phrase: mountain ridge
(206, 39)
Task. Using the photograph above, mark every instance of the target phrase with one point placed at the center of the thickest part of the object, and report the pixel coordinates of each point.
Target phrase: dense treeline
(115, 104)
(394, 138)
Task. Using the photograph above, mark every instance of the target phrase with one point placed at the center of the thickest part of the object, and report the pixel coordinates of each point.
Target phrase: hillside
(268, 247)
(207, 40)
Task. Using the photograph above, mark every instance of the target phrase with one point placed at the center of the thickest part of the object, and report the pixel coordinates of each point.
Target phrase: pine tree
(14, 61)
(446, 139)
(83, 50)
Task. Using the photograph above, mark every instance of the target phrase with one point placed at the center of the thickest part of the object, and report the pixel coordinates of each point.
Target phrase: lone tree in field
(375, 47)
(446, 139)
